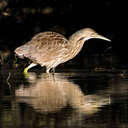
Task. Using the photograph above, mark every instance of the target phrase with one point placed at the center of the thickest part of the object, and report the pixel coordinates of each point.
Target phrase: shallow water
(78, 99)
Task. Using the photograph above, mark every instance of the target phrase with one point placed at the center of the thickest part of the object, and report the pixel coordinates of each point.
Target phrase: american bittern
(51, 49)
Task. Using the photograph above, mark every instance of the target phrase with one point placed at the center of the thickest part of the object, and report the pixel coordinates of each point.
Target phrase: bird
(50, 48)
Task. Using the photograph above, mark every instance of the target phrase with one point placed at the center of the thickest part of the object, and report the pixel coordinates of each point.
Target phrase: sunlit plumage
(51, 49)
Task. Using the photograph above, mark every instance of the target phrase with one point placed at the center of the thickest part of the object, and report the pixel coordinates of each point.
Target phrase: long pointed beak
(102, 37)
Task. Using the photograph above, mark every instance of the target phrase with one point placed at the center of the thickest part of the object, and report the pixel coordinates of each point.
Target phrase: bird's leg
(27, 68)
(48, 69)
(53, 70)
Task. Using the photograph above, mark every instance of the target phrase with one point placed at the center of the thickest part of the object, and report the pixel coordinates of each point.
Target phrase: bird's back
(43, 47)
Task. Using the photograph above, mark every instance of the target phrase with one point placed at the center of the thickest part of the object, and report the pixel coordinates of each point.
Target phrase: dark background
(22, 19)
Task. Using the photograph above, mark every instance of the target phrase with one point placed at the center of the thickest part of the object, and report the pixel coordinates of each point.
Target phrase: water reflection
(51, 93)
(62, 101)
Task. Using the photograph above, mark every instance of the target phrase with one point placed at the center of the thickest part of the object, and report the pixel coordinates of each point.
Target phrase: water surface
(80, 98)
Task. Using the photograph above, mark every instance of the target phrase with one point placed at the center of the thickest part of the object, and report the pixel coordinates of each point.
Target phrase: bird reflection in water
(52, 93)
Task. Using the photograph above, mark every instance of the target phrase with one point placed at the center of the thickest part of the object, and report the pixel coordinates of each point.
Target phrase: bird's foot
(26, 72)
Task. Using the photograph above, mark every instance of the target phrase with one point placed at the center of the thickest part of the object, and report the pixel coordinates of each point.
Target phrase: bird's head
(89, 33)
(86, 34)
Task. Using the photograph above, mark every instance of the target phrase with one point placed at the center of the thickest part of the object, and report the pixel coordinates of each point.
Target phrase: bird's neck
(76, 42)
(78, 37)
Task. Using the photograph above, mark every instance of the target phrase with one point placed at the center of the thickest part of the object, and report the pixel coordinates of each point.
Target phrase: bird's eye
(92, 34)
(81, 38)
